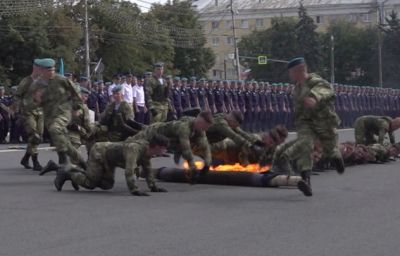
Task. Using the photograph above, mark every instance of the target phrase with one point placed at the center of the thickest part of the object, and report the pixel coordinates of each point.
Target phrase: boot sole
(304, 188)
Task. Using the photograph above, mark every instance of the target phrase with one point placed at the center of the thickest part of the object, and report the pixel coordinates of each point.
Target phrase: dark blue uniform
(4, 119)
(102, 100)
(202, 98)
(255, 101)
(248, 115)
(228, 99)
(185, 98)
(211, 100)
(219, 100)
(193, 97)
(176, 99)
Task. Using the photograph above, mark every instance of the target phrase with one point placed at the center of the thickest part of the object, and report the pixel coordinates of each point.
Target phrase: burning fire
(231, 167)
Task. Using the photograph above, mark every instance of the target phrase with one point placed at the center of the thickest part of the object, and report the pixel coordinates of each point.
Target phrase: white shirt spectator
(128, 93)
(138, 95)
(110, 88)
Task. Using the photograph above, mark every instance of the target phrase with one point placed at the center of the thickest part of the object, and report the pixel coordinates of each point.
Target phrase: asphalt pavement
(357, 213)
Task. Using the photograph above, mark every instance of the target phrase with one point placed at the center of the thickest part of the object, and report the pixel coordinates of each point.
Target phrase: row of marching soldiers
(118, 141)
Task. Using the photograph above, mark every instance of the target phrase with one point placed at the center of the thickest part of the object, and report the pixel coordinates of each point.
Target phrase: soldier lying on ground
(105, 157)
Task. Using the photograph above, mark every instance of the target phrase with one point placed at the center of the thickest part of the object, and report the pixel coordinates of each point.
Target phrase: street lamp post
(235, 43)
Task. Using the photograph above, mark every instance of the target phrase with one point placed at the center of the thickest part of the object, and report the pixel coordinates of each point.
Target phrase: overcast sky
(146, 4)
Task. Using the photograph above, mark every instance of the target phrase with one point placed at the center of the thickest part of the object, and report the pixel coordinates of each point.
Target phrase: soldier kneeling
(106, 156)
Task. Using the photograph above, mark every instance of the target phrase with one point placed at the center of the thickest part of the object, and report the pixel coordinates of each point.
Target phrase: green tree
(391, 51)
(308, 40)
(277, 42)
(355, 53)
(191, 57)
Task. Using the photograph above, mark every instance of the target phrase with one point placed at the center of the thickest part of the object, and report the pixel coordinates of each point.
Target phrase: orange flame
(231, 167)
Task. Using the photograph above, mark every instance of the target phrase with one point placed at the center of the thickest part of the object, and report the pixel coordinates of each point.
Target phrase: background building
(253, 15)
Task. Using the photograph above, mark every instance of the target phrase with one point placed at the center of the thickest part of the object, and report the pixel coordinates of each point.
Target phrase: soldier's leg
(359, 133)
(330, 147)
(59, 135)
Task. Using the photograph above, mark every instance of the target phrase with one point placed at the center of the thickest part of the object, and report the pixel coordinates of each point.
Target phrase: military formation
(128, 122)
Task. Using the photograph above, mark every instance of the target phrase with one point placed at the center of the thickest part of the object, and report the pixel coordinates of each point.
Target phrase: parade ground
(356, 213)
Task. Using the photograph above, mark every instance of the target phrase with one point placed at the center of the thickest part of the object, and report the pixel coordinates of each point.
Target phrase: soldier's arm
(87, 127)
(205, 149)
(236, 137)
(131, 158)
(184, 143)
(384, 128)
(391, 138)
(245, 135)
(127, 112)
(105, 117)
(322, 91)
(148, 91)
(22, 90)
(146, 166)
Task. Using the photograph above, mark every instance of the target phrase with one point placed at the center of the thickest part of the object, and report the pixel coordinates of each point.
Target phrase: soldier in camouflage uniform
(226, 125)
(229, 152)
(157, 95)
(80, 129)
(187, 137)
(32, 116)
(367, 127)
(105, 157)
(56, 95)
(314, 120)
(114, 111)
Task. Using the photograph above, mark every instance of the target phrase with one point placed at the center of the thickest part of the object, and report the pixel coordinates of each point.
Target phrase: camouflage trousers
(33, 124)
(57, 127)
(158, 113)
(363, 136)
(98, 172)
(300, 150)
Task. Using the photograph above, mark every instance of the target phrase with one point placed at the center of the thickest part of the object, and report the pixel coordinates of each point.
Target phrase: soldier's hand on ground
(157, 189)
(309, 102)
(139, 193)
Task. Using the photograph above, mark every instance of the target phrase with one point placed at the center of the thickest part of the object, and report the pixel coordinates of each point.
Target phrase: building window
(215, 41)
(319, 19)
(229, 40)
(215, 24)
(228, 24)
(231, 72)
(351, 18)
(215, 72)
(366, 17)
(244, 24)
(259, 23)
(216, 2)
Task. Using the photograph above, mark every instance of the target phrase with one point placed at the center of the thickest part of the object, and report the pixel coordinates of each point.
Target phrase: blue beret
(202, 79)
(67, 74)
(45, 63)
(168, 77)
(99, 82)
(148, 73)
(83, 90)
(193, 78)
(294, 62)
(177, 78)
(108, 83)
(83, 78)
(184, 79)
(158, 65)
(117, 88)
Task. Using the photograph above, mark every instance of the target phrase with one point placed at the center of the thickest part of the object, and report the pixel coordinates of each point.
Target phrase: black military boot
(50, 166)
(36, 165)
(304, 185)
(62, 158)
(338, 163)
(61, 178)
(25, 161)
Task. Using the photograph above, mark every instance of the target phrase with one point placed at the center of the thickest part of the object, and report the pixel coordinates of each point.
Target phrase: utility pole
(332, 59)
(380, 23)
(235, 43)
(87, 49)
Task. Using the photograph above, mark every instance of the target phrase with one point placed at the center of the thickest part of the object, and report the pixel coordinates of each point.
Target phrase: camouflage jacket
(24, 97)
(221, 130)
(156, 94)
(376, 125)
(183, 138)
(322, 114)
